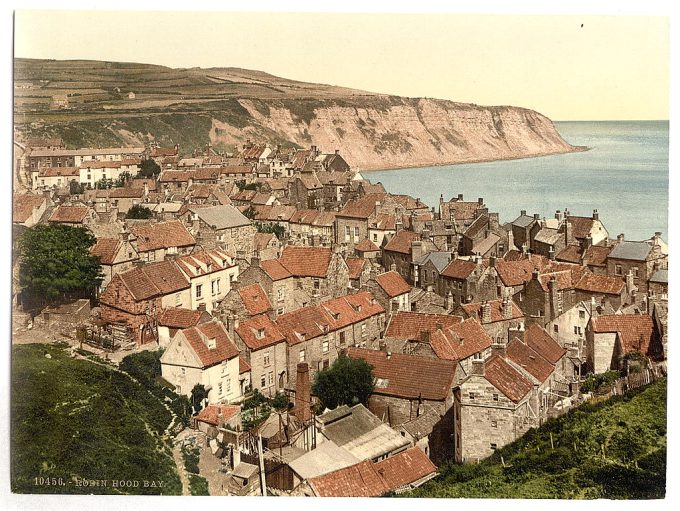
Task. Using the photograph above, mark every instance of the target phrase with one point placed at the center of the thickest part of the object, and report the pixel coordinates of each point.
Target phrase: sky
(568, 67)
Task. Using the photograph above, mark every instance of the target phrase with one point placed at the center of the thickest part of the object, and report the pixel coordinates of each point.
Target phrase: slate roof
(401, 242)
(422, 426)
(306, 261)
(486, 244)
(547, 236)
(270, 333)
(222, 217)
(523, 221)
(210, 413)
(477, 226)
(327, 457)
(636, 331)
(439, 259)
(459, 269)
(631, 250)
(660, 276)
(154, 236)
(255, 299)
(197, 337)
(507, 379)
(262, 239)
(408, 376)
(409, 325)
(392, 284)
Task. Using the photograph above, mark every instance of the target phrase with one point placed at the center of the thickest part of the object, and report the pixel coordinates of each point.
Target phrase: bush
(139, 212)
(348, 381)
(595, 382)
(198, 485)
(191, 457)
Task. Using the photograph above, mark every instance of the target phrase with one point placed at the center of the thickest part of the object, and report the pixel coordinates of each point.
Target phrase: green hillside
(615, 449)
(73, 419)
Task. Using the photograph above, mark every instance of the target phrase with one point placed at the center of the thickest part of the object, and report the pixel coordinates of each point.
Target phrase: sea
(624, 176)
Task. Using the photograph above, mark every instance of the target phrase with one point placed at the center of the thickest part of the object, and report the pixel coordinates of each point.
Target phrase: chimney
(558, 215)
(551, 253)
(398, 225)
(449, 301)
(303, 397)
(621, 237)
(588, 242)
(507, 308)
(478, 367)
(537, 216)
(440, 325)
(393, 267)
(416, 250)
(523, 212)
(492, 261)
(657, 235)
(596, 215)
(568, 238)
(255, 261)
(460, 196)
(337, 151)
(485, 311)
(535, 274)
(382, 345)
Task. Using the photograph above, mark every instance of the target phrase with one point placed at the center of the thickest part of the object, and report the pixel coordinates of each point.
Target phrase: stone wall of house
(600, 351)
(358, 231)
(395, 411)
(267, 365)
(401, 262)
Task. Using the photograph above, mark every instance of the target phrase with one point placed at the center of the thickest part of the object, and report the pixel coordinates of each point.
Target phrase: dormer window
(259, 334)
(212, 344)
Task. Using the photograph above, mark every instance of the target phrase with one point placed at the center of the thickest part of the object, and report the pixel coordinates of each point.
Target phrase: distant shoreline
(575, 149)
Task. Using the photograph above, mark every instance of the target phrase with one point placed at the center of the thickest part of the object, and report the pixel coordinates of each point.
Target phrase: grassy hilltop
(614, 449)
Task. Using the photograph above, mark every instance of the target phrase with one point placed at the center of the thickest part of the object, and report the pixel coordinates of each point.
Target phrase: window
(215, 286)
(263, 382)
(348, 232)
(324, 347)
(279, 294)
(265, 360)
(577, 330)
(477, 356)
(270, 378)
(618, 270)
(582, 314)
(635, 271)
(556, 328)
(219, 388)
(493, 446)
(317, 283)
(356, 234)
(228, 382)
(363, 330)
(199, 290)
(495, 397)
(342, 338)
(259, 334)
(301, 356)
(279, 311)
(494, 424)
(375, 237)
(472, 395)
(178, 299)
(325, 364)
(184, 372)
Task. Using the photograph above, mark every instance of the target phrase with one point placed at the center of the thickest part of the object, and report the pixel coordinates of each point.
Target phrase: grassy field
(615, 449)
(73, 420)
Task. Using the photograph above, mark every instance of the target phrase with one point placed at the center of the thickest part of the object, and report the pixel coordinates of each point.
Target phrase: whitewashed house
(211, 274)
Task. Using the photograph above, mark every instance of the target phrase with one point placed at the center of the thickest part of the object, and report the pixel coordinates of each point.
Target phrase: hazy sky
(567, 67)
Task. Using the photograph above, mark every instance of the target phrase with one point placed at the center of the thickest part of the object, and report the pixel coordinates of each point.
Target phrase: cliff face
(90, 103)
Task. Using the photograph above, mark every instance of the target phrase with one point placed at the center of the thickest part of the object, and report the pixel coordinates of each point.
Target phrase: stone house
(275, 215)
(352, 221)
(380, 226)
(408, 328)
(609, 338)
(494, 405)
(333, 183)
(460, 212)
(243, 302)
(206, 355)
(579, 229)
(266, 246)
(136, 297)
(391, 291)
(428, 268)
(317, 334)
(156, 241)
(484, 237)
(495, 316)
(75, 216)
(278, 284)
(542, 346)
(222, 227)
(367, 250)
(28, 209)
(359, 271)
(459, 281)
(332, 163)
(312, 227)
(306, 192)
(406, 386)
(402, 250)
(320, 272)
(173, 319)
(210, 274)
(657, 287)
(115, 255)
(593, 257)
(522, 228)
(122, 199)
(642, 258)
(264, 348)
(46, 178)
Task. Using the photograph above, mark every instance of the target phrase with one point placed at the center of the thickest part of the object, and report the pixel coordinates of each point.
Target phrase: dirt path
(179, 462)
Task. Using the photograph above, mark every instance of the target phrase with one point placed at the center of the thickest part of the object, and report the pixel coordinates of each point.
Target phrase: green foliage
(278, 230)
(104, 184)
(191, 456)
(198, 485)
(242, 185)
(56, 263)
(280, 401)
(75, 188)
(249, 213)
(75, 419)
(611, 449)
(122, 179)
(347, 381)
(139, 212)
(595, 382)
(148, 169)
(198, 394)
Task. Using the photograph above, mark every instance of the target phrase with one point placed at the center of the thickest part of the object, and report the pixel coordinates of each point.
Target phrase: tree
(144, 366)
(278, 230)
(139, 212)
(249, 213)
(198, 394)
(56, 263)
(104, 184)
(75, 188)
(348, 381)
(122, 179)
(148, 169)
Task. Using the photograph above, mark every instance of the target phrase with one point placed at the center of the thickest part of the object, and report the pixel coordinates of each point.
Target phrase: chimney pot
(460, 196)
(480, 201)
(537, 216)
(523, 212)
(621, 237)
(303, 398)
(596, 215)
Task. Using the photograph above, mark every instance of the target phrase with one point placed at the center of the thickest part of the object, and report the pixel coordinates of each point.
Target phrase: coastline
(575, 149)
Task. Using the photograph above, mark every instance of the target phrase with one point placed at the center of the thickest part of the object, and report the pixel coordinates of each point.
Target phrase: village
(251, 272)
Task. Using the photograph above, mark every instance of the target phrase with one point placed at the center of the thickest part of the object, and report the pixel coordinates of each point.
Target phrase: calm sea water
(624, 176)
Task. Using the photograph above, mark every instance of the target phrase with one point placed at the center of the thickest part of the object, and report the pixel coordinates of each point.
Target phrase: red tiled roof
(106, 249)
(59, 171)
(506, 379)
(401, 242)
(163, 151)
(176, 317)
(564, 279)
(126, 192)
(23, 205)
(360, 480)
(275, 269)
(362, 208)
(96, 164)
(636, 331)
(409, 325)
(474, 310)
(350, 309)
(243, 365)
(69, 214)
(597, 255)
(236, 169)
(580, 226)
(460, 340)
(539, 340)
(259, 332)
(306, 261)
(198, 336)
(408, 376)
(459, 269)
(304, 324)
(262, 240)
(366, 245)
(405, 468)
(148, 281)
(529, 360)
(210, 413)
(393, 284)
(570, 254)
(461, 210)
(601, 284)
(255, 299)
(356, 266)
(518, 271)
(161, 235)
